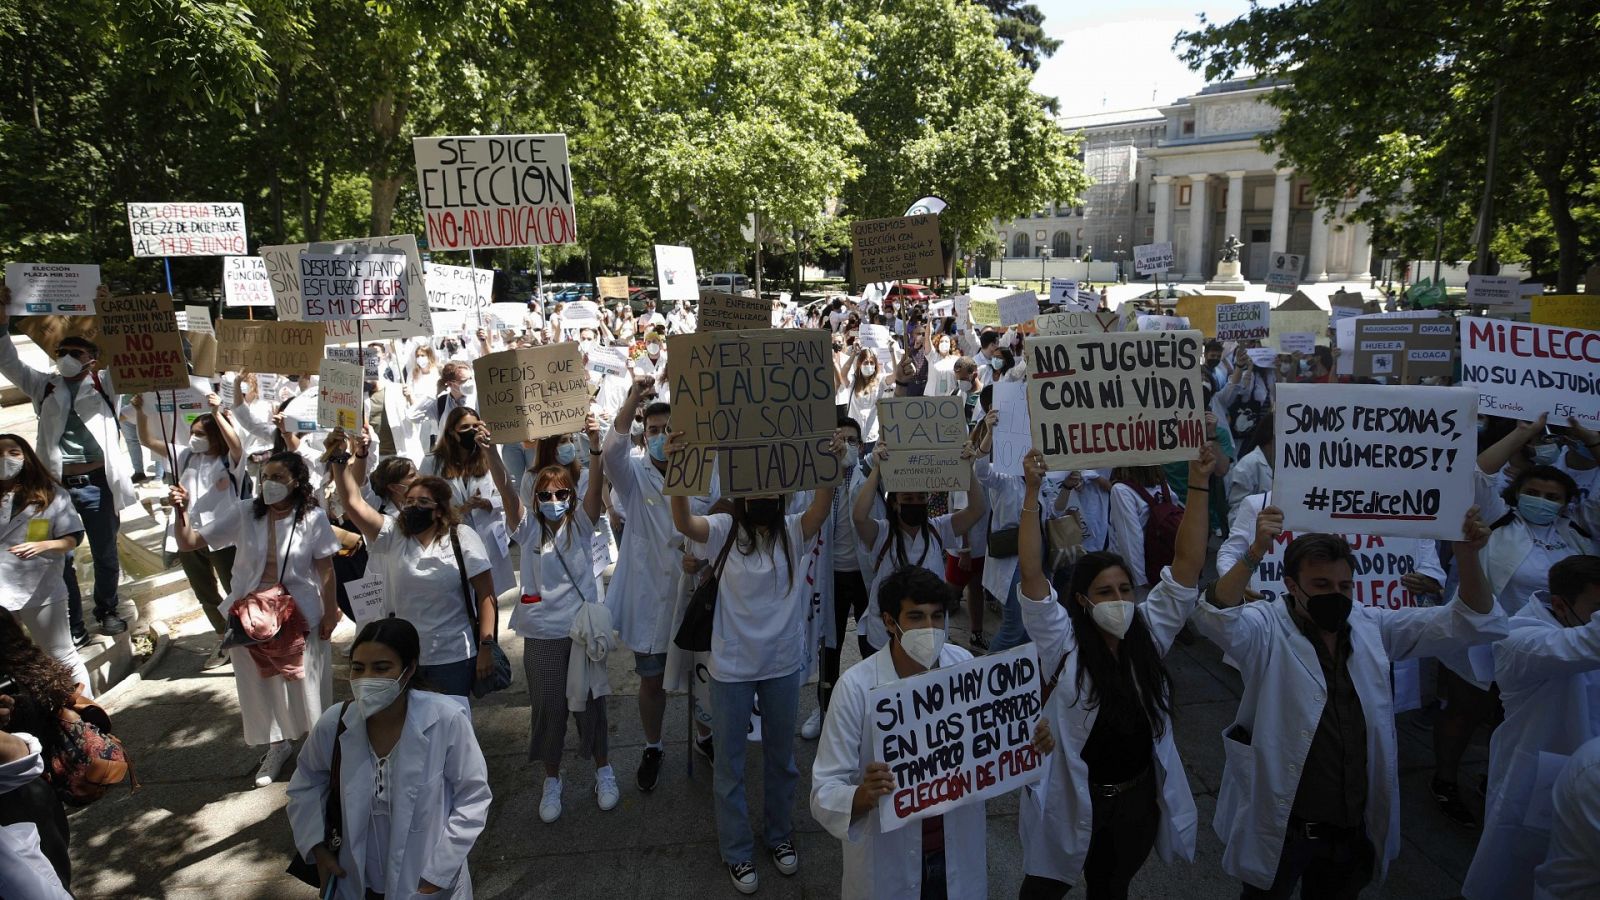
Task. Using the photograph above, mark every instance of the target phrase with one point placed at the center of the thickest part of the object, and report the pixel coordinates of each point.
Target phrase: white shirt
(1572, 868)
(648, 561)
(489, 524)
(422, 584)
(863, 407)
(1250, 475)
(34, 582)
(760, 625)
(546, 565)
(1092, 499)
(299, 546)
(1129, 516)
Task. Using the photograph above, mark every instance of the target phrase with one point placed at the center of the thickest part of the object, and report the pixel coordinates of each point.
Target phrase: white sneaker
(812, 727)
(550, 803)
(278, 754)
(605, 789)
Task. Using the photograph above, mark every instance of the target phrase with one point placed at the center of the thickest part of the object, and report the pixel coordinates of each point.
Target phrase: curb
(161, 637)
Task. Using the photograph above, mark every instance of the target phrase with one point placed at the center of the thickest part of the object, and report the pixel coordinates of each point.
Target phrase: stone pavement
(198, 829)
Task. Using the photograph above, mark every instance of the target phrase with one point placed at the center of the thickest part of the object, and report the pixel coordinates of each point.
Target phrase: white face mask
(10, 466)
(869, 371)
(374, 695)
(851, 456)
(69, 366)
(1114, 616)
(274, 492)
(199, 443)
(923, 645)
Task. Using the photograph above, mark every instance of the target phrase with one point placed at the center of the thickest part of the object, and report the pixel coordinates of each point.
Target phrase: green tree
(1020, 25)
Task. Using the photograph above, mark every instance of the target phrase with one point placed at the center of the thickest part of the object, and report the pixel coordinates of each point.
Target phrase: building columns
(1235, 212)
(1199, 220)
(1360, 251)
(1280, 210)
(1163, 223)
(1317, 266)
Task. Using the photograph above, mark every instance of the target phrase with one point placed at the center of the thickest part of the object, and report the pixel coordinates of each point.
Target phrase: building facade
(1192, 173)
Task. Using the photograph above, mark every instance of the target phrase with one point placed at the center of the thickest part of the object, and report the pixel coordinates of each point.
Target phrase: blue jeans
(1011, 633)
(730, 714)
(92, 498)
(517, 460)
(130, 432)
(451, 678)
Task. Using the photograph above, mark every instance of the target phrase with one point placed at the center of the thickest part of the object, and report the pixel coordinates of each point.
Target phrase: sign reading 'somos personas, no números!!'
(512, 190)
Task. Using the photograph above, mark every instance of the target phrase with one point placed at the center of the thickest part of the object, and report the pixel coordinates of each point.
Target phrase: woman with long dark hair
(467, 465)
(38, 527)
(30, 706)
(413, 786)
(1115, 787)
(283, 539)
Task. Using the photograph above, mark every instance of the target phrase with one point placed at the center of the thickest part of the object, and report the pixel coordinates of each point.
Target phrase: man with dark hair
(1548, 671)
(1310, 786)
(79, 440)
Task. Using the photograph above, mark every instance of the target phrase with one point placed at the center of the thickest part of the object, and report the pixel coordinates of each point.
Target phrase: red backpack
(89, 759)
(1160, 531)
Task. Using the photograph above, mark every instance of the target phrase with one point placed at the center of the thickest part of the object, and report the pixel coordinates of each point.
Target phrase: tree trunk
(388, 115)
(385, 189)
(322, 196)
(1568, 240)
(306, 225)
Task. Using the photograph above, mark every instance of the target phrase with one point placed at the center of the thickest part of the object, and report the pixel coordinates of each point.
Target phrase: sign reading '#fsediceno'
(495, 191)
(187, 229)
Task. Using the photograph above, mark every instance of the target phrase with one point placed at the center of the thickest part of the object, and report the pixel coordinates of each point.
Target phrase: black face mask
(914, 515)
(468, 440)
(416, 519)
(1329, 611)
(766, 512)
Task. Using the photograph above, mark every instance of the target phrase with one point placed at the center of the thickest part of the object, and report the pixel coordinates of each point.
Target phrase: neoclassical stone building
(1192, 173)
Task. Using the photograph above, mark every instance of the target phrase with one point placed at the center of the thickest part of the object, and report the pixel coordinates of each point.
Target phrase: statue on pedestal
(1230, 248)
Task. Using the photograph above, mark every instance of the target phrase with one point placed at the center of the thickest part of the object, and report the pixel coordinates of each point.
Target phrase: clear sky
(1117, 54)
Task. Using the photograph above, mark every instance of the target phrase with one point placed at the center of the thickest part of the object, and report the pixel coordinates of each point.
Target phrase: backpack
(89, 758)
(1160, 532)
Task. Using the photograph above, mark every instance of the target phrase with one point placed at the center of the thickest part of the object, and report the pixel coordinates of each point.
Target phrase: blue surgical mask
(1537, 510)
(657, 445)
(553, 509)
(1546, 454)
(565, 454)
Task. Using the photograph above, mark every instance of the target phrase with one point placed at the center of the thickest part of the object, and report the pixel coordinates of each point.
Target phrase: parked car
(913, 293)
(1170, 292)
(727, 282)
(574, 292)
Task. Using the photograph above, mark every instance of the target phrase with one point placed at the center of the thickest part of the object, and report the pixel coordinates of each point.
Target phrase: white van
(726, 282)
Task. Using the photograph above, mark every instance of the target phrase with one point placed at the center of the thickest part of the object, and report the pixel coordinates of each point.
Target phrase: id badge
(38, 530)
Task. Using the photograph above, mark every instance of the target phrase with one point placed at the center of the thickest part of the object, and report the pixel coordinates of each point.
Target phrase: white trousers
(48, 625)
(276, 709)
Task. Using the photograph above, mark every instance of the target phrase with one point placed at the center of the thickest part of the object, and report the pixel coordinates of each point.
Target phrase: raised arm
(368, 520)
(31, 380)
(1189, 551)
(182, 531)
(977, 498)
(1030, 543)
(1230, 588)
(509, 496)
(822, 498)
(695, 528)
(230, 434)
(1495, 457)
(594, 497)
(1474, 590)
(861, 510)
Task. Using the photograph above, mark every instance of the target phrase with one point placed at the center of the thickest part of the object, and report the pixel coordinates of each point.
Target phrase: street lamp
(1044, 257)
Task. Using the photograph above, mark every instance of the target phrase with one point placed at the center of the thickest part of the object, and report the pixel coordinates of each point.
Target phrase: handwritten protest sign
(675, 273)
(495, 191)
(898, 247)
(925, 437)
(1152, 259)
(187, 229)
(957, 734)
(1013, 435)
(49, 289)
(245, 282)
(139, 340)
(1116, 399)
(726, 311)
(366, 596)
(458, 287)
(611, 287)
(285, 348)
(1243, 321)
(758, 405)
(1077, 323)
(532, 393)
(353, 286)
(1201, 311)
(1405, 349)
(339, 394)
(1523, 370)
(1303, 342)
(1567, 310)
(1016, 309)
(1391, 460)
(283, 270)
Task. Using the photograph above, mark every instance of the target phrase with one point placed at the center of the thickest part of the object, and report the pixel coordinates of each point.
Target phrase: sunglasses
(549, 496)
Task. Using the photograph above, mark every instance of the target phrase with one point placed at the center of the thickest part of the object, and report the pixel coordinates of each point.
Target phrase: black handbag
(332, 817)
(500, 676)
(694, 634)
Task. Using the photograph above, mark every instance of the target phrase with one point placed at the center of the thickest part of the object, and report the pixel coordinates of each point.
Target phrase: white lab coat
(881, 865)
(488, 524)
(1250, 475)
(1056, 815)
(1572, 869)
(1283, 699)
(439, 797)
(640, 595)
(1549, 678)
(1509, 544)
(34, 582)
(50, 395)
(24, 869)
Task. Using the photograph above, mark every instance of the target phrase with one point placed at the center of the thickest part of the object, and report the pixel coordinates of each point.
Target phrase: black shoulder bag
(500, 676)
(332, 817)
(694, 634)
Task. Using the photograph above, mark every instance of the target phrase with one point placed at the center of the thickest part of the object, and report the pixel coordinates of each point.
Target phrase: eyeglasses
(69, 351)
(548, 496)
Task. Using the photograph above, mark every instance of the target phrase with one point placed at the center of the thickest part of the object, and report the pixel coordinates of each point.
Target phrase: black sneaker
(744, 877)
(80, 635)
(112, 624)
(706, 747)
(785, 858)
(1448, 796)
(977, 643)
(649, 769)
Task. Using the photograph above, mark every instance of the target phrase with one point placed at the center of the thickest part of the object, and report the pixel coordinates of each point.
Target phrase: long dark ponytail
(1107, 674)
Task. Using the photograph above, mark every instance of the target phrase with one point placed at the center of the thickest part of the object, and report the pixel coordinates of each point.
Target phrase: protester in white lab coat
(1548, 671)
(1317, 716)
(1572, 868)
(642, 587)
(941, 856)
(1252, 474)
(413, 787)
(1134, 490)
(454, 389)
(1117, 788)
(25, 870)
(464, 458)
(759, 655)
(38, 527)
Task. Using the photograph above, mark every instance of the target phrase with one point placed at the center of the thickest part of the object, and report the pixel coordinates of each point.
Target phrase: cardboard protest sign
(957, 734)
(1493, 290)
(609, 287)
(724, 311)
(1296, 321)
(1152, 259)
(284, 348)
(201, 338)
(1392, 460)
(1405, 349)
(1064, 293)
(1163, 323)
(1567, 310)
(353, 286)
(495, 191)
(140, 344)
(609, 361)
(1201, 311)
(187, 229)
(535, 392)
(925, 437)
(1521, 370)
(1283, 275)
(675, 273)
(1243, 321)
(898, 247)
(1098, 400)
(1077, 323)
(458, 287)
(756, 404)
(339, 394)
(48, 289)
(1016, 309)
(1344, 333)
(245, 282)
(47, 331)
